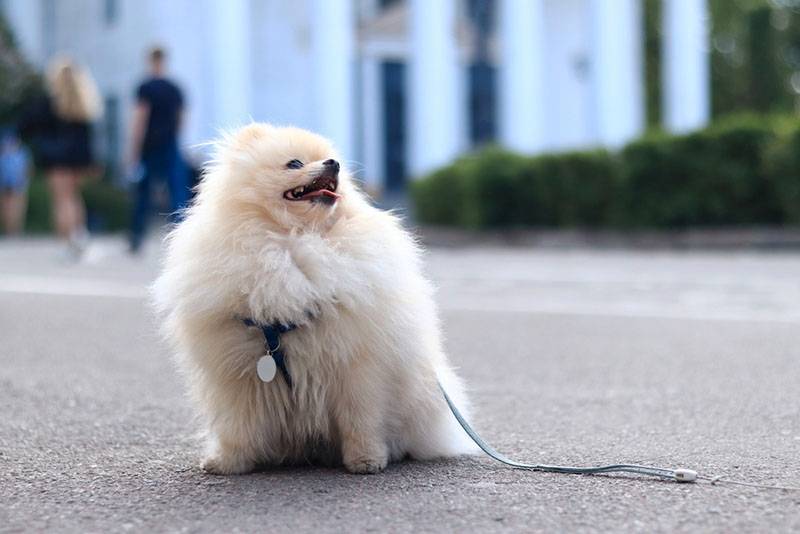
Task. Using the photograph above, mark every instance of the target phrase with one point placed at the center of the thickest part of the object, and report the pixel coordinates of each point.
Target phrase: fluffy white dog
(279, 238)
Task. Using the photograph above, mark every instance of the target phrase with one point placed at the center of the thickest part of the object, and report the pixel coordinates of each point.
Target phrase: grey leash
(677, 475)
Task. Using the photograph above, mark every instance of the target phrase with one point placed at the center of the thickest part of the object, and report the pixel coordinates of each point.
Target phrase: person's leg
(14, 204)
(178, 183)
(78, 234)
(5, 197)
(141, 206)
(78, 205)
(60, 183)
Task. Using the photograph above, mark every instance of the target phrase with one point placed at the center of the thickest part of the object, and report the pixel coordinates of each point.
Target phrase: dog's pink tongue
(323, 192)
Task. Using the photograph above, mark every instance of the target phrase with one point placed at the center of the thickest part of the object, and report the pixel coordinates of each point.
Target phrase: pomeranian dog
(281, 244)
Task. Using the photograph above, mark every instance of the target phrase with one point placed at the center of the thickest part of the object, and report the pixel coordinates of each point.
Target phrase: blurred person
(58, 128)
(14, 169)
(154, 145)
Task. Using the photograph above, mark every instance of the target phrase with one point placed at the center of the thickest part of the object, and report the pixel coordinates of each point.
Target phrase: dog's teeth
(298, 191)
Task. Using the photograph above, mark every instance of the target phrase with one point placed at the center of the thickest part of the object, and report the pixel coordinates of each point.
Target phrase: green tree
(19, 82)
(755, 56)
(652, 53)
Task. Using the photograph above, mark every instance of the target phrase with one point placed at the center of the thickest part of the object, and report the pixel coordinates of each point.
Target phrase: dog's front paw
(363, 454)
(225, 465)
(365, 465)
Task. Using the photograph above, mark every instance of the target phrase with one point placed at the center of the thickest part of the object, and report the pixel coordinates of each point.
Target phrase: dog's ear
(245, 137)
(241, 144)
(255, 131)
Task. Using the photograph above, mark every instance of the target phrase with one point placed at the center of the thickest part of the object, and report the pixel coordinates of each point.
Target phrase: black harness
(272, 342)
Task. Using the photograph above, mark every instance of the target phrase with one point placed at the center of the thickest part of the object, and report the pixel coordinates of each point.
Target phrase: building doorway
(393, 81)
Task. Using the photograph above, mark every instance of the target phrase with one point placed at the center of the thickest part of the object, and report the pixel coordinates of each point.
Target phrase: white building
(402, 86)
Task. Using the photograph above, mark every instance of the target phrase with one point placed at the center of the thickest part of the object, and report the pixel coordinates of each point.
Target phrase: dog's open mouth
(320, 189)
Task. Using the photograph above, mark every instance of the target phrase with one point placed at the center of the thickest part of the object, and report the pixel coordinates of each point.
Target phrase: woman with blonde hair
(58, 128)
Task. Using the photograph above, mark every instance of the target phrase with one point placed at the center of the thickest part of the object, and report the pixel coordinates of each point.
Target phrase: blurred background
(608, 192)
(629, 101)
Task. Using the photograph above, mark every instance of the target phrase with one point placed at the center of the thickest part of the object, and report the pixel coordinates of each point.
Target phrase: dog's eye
(294, 164)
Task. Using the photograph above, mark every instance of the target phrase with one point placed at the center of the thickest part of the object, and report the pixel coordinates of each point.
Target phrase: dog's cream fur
(367, 355)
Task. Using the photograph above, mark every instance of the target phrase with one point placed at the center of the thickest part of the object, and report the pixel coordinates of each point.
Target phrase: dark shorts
(52, 153)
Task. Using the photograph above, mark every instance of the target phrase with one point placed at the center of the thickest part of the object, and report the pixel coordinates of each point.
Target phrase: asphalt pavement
(575, 356)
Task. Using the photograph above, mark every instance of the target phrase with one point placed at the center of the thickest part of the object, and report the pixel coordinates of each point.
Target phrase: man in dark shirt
(154, 147)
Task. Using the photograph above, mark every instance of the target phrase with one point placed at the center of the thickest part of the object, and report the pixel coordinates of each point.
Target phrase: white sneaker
(77, 243)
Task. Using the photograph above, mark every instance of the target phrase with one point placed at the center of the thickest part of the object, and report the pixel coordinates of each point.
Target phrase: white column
(434, 95)
(187, 65)
(332, 45)
(521, 25)
(617, 70)
(685, 65)
(231, 65)
(26, 19)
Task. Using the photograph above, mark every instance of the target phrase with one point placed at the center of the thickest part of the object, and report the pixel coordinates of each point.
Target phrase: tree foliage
(19, 82)
(755, 56)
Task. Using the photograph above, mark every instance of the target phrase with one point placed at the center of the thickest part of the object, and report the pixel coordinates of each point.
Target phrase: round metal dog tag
(266, 368)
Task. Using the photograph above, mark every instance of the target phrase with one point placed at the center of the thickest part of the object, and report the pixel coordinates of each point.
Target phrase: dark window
(111, 133)
(50, 15)
(482, 75)
(482, 103)
(110, 11)
(393, 75)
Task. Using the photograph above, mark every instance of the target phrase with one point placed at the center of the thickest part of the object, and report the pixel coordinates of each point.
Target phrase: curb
(761, 238)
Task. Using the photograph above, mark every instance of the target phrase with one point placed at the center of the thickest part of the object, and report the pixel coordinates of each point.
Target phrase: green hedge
(744, 170)
(783, 173)
(107, 207)
(498, 188)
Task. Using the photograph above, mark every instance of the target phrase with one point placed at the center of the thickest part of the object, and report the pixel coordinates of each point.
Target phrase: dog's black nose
(331, 164)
